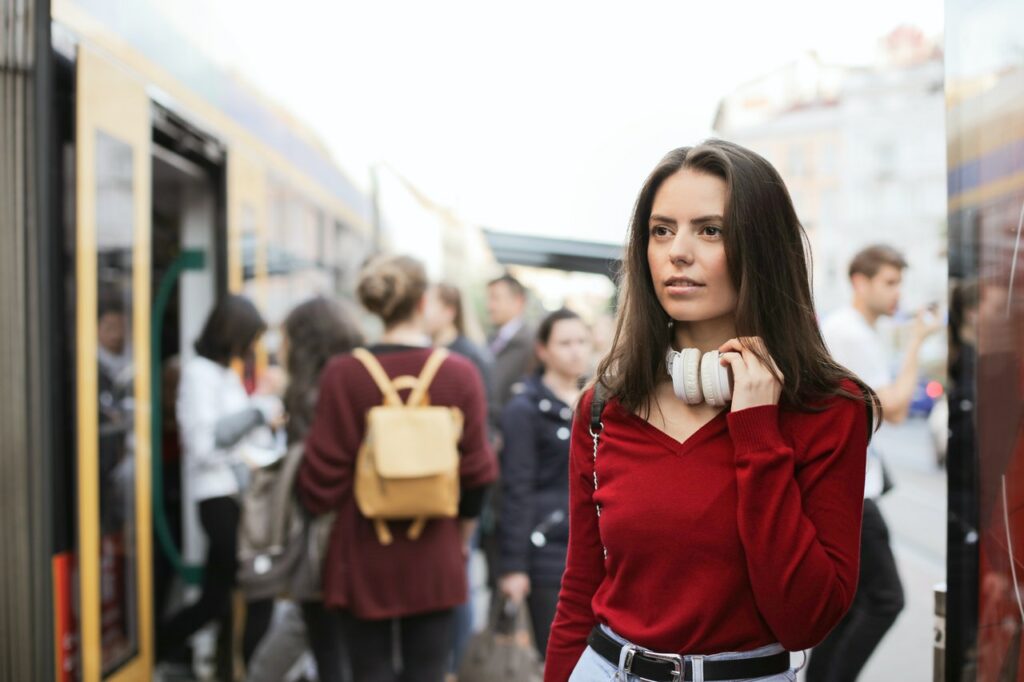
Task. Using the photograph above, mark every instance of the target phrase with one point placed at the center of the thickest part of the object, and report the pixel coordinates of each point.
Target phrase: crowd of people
(691, 504)
(405, 606)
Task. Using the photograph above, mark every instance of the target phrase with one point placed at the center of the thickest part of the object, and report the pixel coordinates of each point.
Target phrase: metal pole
(378, 238)
(187, 260)
(939, 670)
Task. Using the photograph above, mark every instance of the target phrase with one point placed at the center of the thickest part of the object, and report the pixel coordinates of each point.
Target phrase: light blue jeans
(592, 667)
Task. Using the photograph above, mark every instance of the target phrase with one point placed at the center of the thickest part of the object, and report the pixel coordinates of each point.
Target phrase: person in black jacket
(534, 531)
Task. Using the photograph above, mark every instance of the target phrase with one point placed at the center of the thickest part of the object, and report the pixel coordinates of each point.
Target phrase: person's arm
(478, 467)
(799, 516)
(896, 397)
(326, 474)
(230, 429)
(518, 473)
(584, 569)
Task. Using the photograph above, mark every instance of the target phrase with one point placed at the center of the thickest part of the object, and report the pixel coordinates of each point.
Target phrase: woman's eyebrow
(656, 218)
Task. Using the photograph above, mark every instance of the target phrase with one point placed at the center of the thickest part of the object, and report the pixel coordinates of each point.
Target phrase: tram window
(116, 401)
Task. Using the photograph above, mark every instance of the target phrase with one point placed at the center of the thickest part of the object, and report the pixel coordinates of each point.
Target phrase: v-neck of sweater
(710, 428)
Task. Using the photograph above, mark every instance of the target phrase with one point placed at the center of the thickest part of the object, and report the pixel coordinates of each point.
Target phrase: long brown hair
(451, 297)
(767, 255)
(317, 330)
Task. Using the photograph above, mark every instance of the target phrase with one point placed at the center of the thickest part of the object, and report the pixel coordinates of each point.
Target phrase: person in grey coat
(511, 345)
(512, 348)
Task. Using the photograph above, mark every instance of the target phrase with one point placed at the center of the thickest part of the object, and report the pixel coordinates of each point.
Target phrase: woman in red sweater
(396, 601)
(715, 494)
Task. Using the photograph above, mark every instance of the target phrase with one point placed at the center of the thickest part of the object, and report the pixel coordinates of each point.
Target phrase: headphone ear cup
(684, 368)
(690, 357)
(715, 380)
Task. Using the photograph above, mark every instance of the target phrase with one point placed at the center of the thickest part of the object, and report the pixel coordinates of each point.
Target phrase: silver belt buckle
(627, 665)
(675, 659)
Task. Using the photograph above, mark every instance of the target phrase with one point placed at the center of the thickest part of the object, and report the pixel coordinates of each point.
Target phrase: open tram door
(112, 387)
(150, 260)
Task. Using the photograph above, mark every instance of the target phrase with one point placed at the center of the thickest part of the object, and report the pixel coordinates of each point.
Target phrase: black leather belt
(672, 668)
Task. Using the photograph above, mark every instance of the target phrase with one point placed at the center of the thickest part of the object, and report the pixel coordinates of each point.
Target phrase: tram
(174, 183)
(985, 538)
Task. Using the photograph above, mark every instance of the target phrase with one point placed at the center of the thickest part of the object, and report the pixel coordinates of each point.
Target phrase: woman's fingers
(736, 361)
(753, 348)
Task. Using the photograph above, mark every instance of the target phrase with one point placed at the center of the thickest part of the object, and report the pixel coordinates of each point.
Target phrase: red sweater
(408, 576)
(746, 534)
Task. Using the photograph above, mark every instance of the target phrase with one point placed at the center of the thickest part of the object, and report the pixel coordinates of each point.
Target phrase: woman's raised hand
(755, 383)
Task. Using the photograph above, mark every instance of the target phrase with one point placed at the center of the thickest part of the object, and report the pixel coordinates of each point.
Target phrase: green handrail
(187, 260)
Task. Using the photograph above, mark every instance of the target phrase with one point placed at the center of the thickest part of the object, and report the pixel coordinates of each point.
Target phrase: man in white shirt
(876, 274)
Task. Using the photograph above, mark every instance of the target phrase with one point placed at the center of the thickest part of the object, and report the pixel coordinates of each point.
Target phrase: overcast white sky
(538, 117)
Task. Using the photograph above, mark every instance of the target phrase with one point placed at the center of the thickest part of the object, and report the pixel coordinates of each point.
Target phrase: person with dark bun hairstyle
(396, 600)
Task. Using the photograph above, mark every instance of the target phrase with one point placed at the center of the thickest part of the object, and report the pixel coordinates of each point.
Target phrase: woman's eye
(659, 231)
(712, 231)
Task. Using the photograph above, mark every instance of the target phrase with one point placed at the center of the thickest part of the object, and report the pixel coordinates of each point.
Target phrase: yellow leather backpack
(408, 464)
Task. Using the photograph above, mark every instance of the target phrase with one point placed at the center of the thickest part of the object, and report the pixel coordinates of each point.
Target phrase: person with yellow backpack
(398, 449)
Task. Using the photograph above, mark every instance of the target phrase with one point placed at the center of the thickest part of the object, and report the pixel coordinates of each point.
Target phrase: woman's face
(568, 349)
(686, 250)
(437, 316)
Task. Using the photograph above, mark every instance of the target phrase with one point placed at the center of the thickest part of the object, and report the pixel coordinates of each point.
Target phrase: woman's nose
(681, 248)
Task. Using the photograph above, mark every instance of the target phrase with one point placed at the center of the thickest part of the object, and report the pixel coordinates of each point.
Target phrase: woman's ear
(541, 351)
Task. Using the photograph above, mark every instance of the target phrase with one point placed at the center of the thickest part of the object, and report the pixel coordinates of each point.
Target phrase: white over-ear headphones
(696, 378)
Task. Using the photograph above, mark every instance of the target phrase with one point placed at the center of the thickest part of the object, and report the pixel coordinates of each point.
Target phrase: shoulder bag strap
(596, 427)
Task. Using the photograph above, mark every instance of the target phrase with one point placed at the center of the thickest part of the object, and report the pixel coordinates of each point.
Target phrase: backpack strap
(283, 494)
(384, 536)
(430, 369)
(380, 377)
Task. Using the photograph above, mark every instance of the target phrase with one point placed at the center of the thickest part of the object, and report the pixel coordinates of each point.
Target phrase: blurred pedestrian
(511, 344)
(876, 275)
(223, 435)
(534, 530)
(313, 333)
(715, 467)
(397, 599)
(512, 347)
(446, 324)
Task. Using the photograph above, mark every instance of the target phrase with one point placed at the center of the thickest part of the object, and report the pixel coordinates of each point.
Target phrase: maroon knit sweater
(746, 534)
(409, 576)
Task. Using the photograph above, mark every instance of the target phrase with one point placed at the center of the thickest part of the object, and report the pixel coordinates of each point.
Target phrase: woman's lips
(681, 287)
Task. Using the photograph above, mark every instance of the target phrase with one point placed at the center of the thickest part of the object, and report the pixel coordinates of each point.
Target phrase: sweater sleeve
(584, 570)
(197, 409)
(326, 474)
(803, 564)
(478, 466)
(232, 428)
(518, 474)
